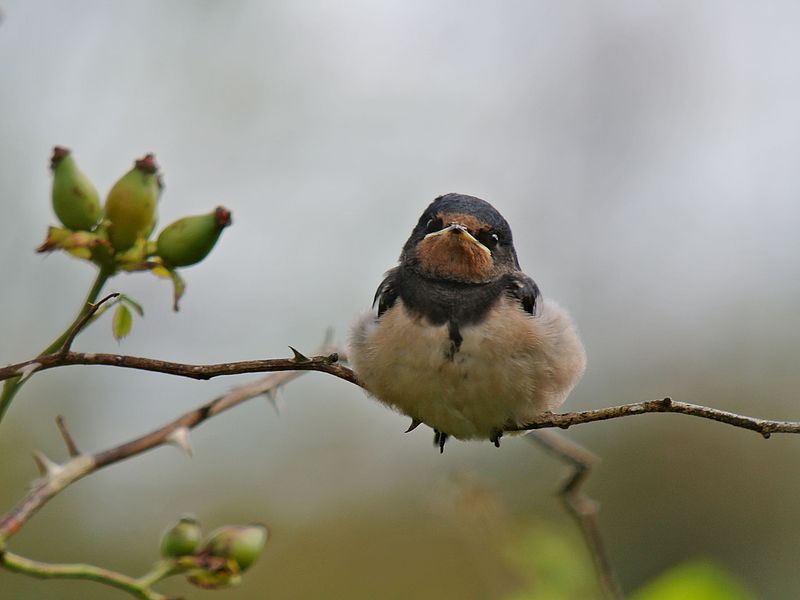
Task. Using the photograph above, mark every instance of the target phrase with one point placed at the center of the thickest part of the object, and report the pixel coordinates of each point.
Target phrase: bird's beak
(457, 229)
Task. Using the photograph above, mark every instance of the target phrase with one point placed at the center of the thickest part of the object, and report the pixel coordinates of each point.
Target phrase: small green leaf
(122, 322)
(694, 580)
(132, 303)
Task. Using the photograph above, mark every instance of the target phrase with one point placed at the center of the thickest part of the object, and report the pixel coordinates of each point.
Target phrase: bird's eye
(488, 239)
(433, 225)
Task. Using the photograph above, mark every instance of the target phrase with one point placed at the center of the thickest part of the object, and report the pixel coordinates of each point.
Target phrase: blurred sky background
(646, 155)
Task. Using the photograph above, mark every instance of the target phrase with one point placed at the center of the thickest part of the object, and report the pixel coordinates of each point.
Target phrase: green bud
(75, 199)
(181, 539)
(131, 204)
(241, 543)
(187, 241)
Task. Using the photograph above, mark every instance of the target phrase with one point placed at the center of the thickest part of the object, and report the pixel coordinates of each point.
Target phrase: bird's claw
(439, 439)
(414, 424)
(495, 439)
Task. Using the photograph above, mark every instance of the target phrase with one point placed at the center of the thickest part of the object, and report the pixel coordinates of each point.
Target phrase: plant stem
(161, 570)
(12, 386)
(34, 568)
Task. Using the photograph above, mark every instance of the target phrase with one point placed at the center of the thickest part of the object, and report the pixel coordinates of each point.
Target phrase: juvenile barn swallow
(462, 340)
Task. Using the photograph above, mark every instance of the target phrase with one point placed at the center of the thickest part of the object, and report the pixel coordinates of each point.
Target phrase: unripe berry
(131, 204)
(181, 539)
(75, 199)
(242, 543)
(187, 241)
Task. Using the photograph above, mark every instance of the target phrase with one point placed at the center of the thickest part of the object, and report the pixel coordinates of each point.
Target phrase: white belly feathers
(508, 369)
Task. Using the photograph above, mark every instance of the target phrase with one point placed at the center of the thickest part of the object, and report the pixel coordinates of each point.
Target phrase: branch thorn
(274, 398)
(299, 357)
(180, 437)
(27, 371)
(47, 468)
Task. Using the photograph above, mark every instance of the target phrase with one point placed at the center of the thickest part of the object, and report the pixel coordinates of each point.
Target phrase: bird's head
(461, 238)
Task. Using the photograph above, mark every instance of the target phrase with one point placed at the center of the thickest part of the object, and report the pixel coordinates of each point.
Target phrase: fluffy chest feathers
(509, 366)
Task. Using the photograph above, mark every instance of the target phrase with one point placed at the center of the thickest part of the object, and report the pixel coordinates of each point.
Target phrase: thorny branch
(765, 427)
(325, 364)
(56, 477)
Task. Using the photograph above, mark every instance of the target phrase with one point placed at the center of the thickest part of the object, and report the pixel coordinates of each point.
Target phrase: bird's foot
(495, 438)
(439, 439)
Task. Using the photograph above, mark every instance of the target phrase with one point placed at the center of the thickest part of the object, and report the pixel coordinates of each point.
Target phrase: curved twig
(83, 321)
(582, 508)
(766, 427)
(325, 364)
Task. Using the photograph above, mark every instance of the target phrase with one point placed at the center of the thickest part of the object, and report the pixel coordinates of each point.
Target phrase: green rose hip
(187, 241)
(131, 204)
(181, 539)
(242, 543)
(75, 199)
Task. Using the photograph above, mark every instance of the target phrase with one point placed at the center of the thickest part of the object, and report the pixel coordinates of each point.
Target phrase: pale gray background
(646, 155)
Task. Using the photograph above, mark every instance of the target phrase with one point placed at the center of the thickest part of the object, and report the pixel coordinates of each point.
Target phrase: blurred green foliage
(694, 580)
(554, 564)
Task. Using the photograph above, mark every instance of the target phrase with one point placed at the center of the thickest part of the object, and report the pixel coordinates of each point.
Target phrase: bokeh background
(646, 155)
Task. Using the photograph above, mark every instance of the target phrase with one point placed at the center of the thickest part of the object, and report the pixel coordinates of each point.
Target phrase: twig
(765, 427)
(583, 509)
(69, 441)
(325, 364)
(57, 477)
(80, 324)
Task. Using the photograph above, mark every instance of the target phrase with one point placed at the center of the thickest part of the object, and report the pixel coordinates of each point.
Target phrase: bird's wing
(524, 289)
(387, 293)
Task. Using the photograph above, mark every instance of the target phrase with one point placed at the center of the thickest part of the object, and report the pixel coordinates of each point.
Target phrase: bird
(459, 337)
